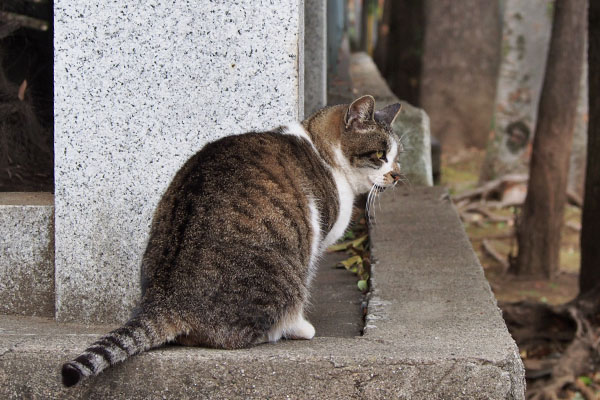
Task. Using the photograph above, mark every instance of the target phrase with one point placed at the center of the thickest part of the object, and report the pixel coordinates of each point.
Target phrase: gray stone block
(139, 88)
(430, 293)
(315, 56)
(27, 254)
(412, 126)
(324, 368)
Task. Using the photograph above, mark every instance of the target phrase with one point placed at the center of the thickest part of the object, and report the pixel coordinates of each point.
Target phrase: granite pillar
(139, 88)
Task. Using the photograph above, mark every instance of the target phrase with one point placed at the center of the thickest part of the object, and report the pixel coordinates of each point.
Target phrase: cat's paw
(301, 330)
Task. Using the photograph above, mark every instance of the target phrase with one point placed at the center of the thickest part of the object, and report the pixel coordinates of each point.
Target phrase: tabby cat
(236, 237)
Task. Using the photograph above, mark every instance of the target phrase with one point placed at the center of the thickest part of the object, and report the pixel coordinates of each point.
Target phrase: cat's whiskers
(373, 200)
(370, 213)
(402, 136)
(378, 187)
(405, 181)
(368, 205)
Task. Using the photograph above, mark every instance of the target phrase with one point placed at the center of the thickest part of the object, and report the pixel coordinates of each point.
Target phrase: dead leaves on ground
(356, 245)
(489, 211)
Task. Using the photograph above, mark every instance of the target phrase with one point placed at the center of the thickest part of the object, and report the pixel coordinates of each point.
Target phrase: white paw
(302, 329)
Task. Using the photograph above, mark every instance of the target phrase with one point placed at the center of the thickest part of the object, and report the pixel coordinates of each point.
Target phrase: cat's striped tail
(137, 335)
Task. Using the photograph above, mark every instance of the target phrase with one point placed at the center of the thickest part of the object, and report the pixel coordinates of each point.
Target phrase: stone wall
(27, 254)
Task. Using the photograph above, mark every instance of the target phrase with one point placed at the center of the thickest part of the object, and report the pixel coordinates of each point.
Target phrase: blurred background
(26, 96)
(510, 87)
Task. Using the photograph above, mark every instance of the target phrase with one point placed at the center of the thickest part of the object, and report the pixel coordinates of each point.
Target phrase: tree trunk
(590, 226)
(368, 16)
(541, 219)
(576, 180)
(526, 32)
(461, 55)
(399, 51)
(381, 52)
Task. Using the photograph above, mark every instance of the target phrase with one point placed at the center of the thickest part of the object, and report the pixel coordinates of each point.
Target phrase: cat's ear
(360, 110)
(388, 114)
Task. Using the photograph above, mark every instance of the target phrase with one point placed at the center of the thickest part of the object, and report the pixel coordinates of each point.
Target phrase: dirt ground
(459, 174)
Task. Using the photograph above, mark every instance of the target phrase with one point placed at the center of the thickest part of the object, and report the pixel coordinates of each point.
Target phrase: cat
(236, 237)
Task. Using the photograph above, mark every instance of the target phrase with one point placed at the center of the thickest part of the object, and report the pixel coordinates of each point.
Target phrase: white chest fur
(346, 201)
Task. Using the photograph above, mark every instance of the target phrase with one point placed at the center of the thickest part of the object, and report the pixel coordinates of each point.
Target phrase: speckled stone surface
(315, 55)
(140, 87)
(27, 254)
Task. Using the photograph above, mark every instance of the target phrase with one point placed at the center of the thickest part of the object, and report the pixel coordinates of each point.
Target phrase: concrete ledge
(433, 332)
(429, 291)
(27, 254)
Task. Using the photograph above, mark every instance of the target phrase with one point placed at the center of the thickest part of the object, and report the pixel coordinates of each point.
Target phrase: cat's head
(358, 142)
(369, 149)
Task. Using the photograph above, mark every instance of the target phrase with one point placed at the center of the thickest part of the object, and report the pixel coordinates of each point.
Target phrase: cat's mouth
(380, 187)
(372, 196)
(392, 178)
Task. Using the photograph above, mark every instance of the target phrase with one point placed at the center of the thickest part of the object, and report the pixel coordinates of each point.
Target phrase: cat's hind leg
(292, 326)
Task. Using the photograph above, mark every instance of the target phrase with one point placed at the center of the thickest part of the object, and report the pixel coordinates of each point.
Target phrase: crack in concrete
(360, 385)
(446, 374)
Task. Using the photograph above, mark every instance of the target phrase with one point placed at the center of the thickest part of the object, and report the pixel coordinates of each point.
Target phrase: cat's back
(250, 193)
(250, 165)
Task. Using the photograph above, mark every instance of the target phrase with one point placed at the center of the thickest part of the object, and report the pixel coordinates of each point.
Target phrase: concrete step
(27, 254)
(433, 331)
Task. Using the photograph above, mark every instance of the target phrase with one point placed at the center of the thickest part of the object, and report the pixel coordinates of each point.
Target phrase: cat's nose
(395, 176)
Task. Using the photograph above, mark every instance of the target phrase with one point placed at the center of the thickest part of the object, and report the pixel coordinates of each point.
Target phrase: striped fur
(137, 335)
(237, 235)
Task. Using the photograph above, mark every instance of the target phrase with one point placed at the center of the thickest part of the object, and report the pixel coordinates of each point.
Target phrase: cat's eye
(380, 155)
